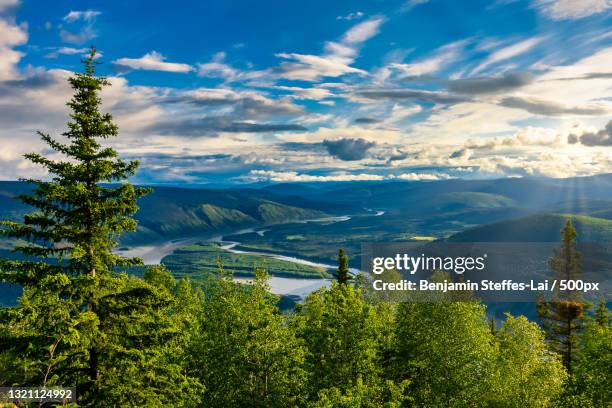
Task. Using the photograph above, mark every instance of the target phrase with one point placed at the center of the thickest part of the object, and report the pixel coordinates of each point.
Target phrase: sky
(282, 91)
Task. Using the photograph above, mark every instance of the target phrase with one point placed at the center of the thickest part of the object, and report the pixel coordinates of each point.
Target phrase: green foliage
(563, 316)
(343, 335)
(565, 262)
(170, 211)
(79, 322)
(446, 350)
(199, 261)
(602, 314)
(527, 373)
(593, 369)
(244, 352)
(342, 275)
(386, 395)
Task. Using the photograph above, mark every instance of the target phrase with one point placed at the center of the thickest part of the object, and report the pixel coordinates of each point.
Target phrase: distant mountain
(584, 206)
(529, 193)
(173, 211)
(594, 237)
(437, 208)
(606, 214)
(460, 201)
(538, 228)
(10, 208)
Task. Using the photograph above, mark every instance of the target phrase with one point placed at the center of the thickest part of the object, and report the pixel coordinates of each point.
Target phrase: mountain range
(510, 210)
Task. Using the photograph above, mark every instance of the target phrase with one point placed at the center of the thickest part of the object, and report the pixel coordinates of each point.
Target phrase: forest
(153, 340)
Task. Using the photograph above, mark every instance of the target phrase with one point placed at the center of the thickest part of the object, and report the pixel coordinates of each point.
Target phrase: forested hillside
(169, 211)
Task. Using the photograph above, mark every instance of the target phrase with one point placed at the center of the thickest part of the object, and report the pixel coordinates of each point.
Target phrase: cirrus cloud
(572, 9)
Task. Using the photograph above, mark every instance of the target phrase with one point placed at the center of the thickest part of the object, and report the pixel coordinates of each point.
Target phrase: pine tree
(563, 316)
(565, 262)
(493, 325)
(342, 275)
(602, 314)
(79, 321)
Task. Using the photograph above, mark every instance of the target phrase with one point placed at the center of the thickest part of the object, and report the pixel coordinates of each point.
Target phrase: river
(153, 254)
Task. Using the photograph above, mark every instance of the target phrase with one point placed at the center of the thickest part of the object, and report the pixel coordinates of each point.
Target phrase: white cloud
(351, 16)
(5, 4)
(439, 60)
(11, 35)
(71, 51)
(314, 118)
(352, 132)
(528, 136)
(78, 33)
(85, 15)
(363, 31)
(316, 94)
(337, 59)
(217, 68)
(508, 52)
(420, 176)
(470, 119)
(572, 9)
(410, 4)
(292, 176)
(400, 112)
(153, 61)
(586, 81)
(312, 67)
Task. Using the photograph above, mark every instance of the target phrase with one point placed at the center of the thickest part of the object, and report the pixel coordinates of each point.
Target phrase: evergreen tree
(565, 262)
(342, 275)
(79, 321)
(602, 314)
(493, 325)
(563, 316)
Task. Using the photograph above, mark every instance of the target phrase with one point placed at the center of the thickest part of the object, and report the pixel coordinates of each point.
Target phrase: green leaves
(527, 372)
(244, 351)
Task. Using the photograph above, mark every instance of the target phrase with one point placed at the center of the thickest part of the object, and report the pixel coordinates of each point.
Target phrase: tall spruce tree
(602, 314)
(563, 315)
(342, 275)
(80, 322)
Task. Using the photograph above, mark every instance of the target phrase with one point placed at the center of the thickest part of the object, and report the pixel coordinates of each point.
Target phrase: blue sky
(245, 91)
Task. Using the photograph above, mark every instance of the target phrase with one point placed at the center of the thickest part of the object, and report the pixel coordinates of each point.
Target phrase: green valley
(200, 260)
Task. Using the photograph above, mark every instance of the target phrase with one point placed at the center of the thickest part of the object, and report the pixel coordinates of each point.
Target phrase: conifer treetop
(76, 216)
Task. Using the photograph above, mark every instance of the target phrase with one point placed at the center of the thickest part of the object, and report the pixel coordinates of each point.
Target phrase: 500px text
(487, 285)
